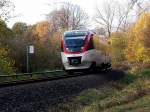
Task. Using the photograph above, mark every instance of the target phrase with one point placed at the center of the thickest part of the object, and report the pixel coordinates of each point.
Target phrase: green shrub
(146, 72)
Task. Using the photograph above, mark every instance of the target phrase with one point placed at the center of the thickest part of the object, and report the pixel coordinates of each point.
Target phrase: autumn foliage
(6, 64)
(132, 48)
(128, 49)
(138, 50)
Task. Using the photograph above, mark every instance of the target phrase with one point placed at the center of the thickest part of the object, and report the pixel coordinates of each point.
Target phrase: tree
(43, 30)
(114, 15)
(100, 31)
(142, 6)
(45, 41)
(69, 16)
(18, 45)
(6, 64)
(19, 28)
(138, 50)
(6, 8)
(5, 34)
(118, 42)
(106, 19)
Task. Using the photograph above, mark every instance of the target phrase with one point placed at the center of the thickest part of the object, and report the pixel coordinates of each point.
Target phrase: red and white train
(84, 50)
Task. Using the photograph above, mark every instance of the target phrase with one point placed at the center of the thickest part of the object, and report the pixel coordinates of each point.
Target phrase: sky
(33, 11)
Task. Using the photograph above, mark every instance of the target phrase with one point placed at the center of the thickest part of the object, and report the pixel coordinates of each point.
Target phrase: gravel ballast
(39, 97)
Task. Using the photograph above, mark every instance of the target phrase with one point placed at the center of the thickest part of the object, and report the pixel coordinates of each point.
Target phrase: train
(83, 50)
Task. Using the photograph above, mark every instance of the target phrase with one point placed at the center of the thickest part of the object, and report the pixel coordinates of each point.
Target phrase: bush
(6, 65)
(118, 45)
(121, 65)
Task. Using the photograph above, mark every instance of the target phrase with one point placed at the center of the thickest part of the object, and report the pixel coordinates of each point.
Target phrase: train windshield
(74, 42)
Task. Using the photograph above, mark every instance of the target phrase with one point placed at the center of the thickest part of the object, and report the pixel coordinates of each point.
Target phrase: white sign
(31, 49)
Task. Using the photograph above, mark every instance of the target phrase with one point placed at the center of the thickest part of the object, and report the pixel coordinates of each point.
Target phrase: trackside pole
(27, 69)
(30, 50)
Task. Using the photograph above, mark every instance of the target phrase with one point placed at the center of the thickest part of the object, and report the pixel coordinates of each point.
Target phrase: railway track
(16, 79)
(43, 96)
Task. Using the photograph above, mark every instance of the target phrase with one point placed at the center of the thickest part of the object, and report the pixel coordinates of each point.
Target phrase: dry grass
(130, 94)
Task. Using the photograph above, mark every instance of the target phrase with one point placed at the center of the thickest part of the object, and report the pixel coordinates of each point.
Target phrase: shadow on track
(113, 75)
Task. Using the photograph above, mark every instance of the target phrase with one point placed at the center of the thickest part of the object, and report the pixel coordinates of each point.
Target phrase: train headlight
(67, 49)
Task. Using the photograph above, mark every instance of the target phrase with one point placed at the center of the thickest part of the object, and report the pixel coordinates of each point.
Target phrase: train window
(62, 48)
(74, 42)
(91, 44)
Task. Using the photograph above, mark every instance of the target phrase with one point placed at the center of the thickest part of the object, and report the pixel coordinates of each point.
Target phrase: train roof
(77, 33)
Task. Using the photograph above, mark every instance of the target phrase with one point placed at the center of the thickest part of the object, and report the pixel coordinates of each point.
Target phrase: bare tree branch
(69, 16)
(6, 8)
(106, 19)
(114, 15)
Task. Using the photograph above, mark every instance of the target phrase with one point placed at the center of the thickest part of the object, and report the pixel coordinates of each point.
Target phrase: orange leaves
(42, 30)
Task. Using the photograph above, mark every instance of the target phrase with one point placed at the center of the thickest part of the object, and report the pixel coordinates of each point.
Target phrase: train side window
(62, 48)
(91, 44)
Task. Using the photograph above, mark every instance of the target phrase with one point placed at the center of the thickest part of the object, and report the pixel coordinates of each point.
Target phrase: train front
(75, 54)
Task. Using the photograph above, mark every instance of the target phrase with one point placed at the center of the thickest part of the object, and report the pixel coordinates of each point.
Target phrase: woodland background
(130, 39)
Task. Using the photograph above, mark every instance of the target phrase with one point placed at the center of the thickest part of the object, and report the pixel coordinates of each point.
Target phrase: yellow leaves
(140, 54)
(139, 40)
(141, 25)
(118, 44)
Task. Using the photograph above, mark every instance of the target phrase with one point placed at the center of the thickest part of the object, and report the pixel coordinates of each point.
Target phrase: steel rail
(34, 80)
(23, 74)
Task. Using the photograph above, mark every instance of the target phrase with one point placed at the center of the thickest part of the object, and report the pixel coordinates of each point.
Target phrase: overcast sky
(33, 11)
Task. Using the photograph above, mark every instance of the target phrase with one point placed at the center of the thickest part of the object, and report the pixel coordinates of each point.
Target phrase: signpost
(30, 50)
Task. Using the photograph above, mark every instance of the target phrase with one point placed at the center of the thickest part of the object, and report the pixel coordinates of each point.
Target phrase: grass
(139, 105)
(129, 94)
